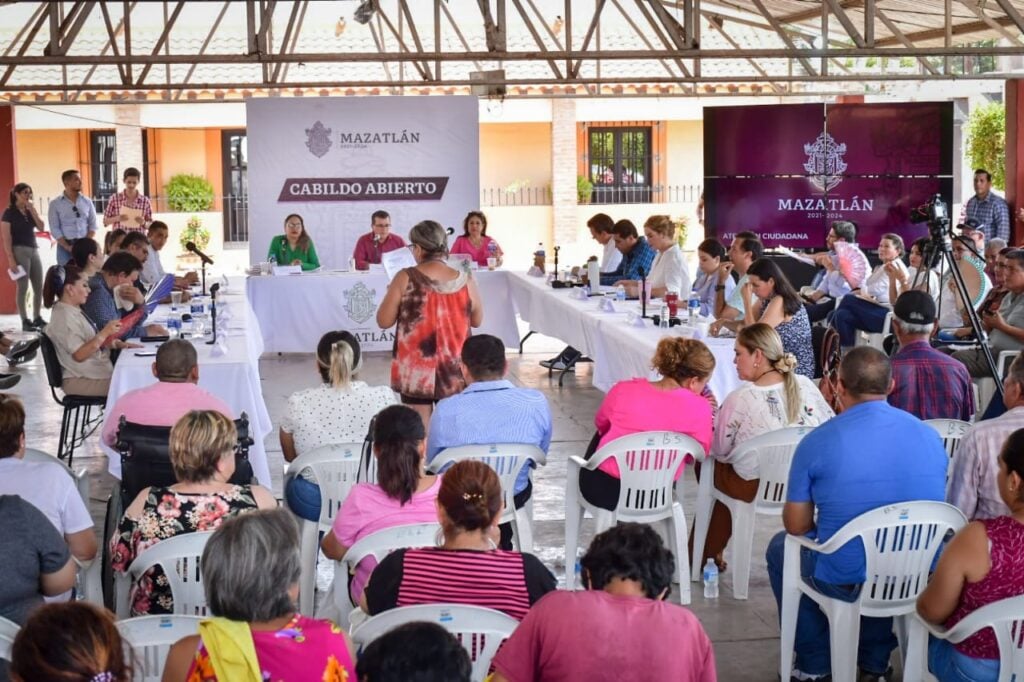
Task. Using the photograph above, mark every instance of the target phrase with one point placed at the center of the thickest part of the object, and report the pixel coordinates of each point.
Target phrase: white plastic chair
(507, 460)
(377, 545)
(877, 339)
(180, 558)
(774, 452)
(151, 637)
(951, 431)
(1005, 617)
(8, 631)
(647, 463)
(90, 580)
(480, 630)
(336, 469)
(900, 542)
(987, 385)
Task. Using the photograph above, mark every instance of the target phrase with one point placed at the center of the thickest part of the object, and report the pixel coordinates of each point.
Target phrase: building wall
(180, 151)
(42, 156)
(512, 154)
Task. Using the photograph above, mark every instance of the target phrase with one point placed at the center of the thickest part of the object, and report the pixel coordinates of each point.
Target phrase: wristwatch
(719, 287)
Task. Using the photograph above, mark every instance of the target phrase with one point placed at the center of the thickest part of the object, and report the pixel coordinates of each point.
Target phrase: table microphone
(191, 246)
(214, 288)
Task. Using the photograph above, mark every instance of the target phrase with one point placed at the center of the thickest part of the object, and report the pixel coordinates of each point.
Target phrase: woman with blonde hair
(675, 402)
(337, 411)
(669, 272)
(774, 396)
(202, 450)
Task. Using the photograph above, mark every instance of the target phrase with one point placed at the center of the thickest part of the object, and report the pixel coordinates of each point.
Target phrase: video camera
(935, 212)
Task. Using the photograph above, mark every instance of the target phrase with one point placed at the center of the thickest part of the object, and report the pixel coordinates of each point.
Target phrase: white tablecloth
(620, 351)
(294, 311)
(234, 377)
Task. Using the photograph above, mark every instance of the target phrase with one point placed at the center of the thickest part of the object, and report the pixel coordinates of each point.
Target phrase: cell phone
(145, 353)
(157, 339)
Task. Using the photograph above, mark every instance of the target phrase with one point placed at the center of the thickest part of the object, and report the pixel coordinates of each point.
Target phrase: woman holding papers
(18, 230)
(294, 247)
(870, 305)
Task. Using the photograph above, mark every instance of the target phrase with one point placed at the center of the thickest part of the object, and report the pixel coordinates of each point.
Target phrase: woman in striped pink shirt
(468, 568)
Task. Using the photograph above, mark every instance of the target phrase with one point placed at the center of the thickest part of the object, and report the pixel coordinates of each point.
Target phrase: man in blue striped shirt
(989, 210)
(637, 254)
(491, 409)
(71, 216)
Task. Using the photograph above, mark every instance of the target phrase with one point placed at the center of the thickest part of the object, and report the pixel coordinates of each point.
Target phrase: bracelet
(719, 287)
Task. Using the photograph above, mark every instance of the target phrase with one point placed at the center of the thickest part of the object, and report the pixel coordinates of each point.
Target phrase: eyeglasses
(78, 214)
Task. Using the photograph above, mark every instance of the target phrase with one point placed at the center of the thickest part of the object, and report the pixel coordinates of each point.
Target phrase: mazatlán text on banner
(334, 161)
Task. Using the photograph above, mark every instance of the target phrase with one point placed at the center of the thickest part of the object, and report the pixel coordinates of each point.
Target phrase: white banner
(335, 161)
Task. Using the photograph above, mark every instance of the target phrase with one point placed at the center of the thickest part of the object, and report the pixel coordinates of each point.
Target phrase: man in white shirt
(44, 485)
(600, 225)
(152, 268)
(834, 285)
(973, 481)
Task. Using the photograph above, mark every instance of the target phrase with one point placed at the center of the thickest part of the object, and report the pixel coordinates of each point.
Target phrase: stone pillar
(563, 171)
(8, 178)
(128, 134)
(1015, 155)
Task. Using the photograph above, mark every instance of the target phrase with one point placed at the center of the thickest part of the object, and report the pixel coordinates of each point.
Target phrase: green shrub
(187, 192)
(986, 140)
(584, 188)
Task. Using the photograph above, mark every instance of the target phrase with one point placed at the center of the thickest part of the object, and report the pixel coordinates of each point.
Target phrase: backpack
(831, 354)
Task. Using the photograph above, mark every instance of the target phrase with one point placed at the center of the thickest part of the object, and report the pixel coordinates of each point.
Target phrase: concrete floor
(744, 633)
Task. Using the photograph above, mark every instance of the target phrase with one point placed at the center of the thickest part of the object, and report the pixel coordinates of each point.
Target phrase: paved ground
(744, 633)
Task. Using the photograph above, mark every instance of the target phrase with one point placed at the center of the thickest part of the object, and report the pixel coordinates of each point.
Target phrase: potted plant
(681, 225)
(584, 189)
(197, 234)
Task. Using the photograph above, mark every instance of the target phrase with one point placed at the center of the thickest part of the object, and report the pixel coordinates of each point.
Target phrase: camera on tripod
(935, 212)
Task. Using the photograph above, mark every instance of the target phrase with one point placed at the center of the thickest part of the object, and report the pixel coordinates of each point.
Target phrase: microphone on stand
(214, 288)
(191, 246)
(555, 283)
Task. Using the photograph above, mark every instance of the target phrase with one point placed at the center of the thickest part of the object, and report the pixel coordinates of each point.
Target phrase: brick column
(128, 134)
(563, 170)
(8, 178)
(1015, 154)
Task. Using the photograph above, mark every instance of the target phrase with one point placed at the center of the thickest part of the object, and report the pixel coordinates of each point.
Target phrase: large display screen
(786, 172)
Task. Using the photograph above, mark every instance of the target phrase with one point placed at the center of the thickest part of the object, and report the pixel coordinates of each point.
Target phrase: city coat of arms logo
(825, 162)
(318, 139)
(359, 303)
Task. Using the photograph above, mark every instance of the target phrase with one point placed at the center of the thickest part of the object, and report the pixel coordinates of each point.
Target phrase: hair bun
(786, 364)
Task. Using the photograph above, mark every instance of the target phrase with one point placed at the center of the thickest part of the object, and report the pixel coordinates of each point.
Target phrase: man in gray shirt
(34, 559)
(71, 216)
(1005, 327)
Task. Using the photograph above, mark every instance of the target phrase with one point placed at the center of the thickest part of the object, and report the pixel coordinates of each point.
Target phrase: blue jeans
(813, 657)
(63, 256)
(303, 498)
(949, 665)
(856, 313)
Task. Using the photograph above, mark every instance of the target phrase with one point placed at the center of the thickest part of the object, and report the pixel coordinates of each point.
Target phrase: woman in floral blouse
(251, 572)
(202, 450)
(773, 397)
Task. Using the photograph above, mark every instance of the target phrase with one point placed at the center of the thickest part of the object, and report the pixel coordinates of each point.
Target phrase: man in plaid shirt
(637, 254)
(926, 383)
(988, 209)
(115, 216)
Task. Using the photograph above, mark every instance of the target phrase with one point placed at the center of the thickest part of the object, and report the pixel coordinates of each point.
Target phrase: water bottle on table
(620, 293)
(693, 306)
(711, 580)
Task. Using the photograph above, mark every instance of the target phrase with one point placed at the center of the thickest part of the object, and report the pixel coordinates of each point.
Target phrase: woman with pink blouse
(675, 402)
(474, 241)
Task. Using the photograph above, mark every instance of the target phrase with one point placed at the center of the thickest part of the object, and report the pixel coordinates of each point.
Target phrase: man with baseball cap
(927, 383)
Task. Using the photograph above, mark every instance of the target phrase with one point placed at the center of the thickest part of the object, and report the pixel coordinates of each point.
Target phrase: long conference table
(294, 311)
(229, 370)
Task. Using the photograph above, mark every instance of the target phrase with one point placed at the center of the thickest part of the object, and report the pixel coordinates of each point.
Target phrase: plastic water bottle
(711, 580)
(492, 249)
(693, 306)
(664, 317)
(540, 249)
(620, 293)
(273, 262)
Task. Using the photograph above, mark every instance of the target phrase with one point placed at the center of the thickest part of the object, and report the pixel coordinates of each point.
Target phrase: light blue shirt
(491, 412)
(64, 222)
(869, 456)
(735, 299)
